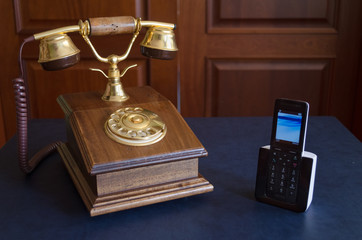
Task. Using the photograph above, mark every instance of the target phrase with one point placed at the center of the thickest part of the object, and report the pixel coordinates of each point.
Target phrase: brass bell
(57, 52)
(159, 43)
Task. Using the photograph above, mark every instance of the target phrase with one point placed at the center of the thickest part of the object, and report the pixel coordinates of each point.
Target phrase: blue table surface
(46, 205)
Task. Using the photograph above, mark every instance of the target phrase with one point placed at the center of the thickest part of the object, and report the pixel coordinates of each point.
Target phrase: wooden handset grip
(112, 25)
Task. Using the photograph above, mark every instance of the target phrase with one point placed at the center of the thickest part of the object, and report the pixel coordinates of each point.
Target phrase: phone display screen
(288, 127)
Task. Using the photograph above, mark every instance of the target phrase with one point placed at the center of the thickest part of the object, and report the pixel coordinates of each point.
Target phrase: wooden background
(235, 58)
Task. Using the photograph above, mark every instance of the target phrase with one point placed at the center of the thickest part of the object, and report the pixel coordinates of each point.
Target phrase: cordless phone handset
(285, 171)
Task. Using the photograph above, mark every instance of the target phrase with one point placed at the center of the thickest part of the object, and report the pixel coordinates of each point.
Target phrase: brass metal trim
(73, 28)
(158, 24)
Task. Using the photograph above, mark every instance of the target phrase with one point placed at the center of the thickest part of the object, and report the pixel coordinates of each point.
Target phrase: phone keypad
(283, 176)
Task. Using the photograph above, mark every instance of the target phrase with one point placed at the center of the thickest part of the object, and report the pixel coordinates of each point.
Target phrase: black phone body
(285, 174)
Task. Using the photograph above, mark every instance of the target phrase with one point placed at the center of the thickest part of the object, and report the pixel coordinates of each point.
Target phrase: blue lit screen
(288, 127)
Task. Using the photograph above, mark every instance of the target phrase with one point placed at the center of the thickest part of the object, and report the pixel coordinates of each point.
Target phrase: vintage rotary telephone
(108, 151)
(57, 52)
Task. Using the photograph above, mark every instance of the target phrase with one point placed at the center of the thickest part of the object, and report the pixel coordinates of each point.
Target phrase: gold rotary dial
(135, 126)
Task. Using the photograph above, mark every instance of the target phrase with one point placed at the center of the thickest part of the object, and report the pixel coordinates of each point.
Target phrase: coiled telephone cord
(22, 118)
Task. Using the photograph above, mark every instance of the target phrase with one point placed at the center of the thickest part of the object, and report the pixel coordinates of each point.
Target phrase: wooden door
(235, 57)
(20, 19)
(239, 55)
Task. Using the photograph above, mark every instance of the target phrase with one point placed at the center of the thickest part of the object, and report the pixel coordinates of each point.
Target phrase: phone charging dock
(122, 155)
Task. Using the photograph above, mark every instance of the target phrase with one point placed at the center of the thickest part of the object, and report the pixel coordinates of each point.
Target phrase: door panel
(273, 16)
(249, 87)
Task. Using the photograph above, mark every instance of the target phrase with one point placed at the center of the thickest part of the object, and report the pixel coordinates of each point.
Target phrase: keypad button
(292, 186)
(282, 183)
(291, 196)
(271, 188)
(272, 181)
(273, 167)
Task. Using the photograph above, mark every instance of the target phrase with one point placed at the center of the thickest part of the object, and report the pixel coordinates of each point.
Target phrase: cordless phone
(285, 175)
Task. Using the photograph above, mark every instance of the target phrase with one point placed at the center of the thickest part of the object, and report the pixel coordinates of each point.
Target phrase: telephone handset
(123, 150)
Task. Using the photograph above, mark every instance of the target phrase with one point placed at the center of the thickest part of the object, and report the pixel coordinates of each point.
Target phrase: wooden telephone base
(110, 176)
